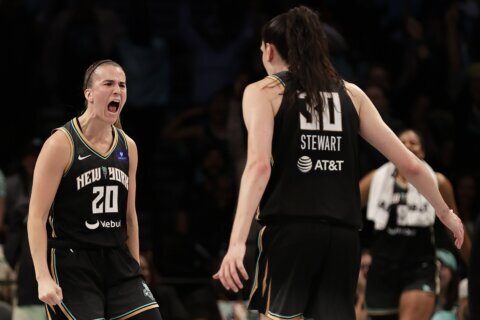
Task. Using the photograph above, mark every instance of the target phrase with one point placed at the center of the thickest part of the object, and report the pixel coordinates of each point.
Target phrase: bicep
(49, 169)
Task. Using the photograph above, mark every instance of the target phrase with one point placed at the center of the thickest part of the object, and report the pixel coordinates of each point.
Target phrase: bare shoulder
(352, 88)
(267, 87)
(57, 152)
(60, 141)
(356, 94)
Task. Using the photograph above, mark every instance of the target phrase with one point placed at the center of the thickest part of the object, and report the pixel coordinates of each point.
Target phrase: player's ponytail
(299, 38)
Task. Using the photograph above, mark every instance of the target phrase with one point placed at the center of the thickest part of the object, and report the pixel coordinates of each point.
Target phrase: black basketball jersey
(91, 202)
(400, 242)
(314, 161)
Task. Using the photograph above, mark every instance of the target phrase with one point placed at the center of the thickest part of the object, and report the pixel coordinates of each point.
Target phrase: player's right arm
(258, 114)
(49, 169)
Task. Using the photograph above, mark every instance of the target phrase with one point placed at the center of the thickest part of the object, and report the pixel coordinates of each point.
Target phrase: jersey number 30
(331, 119)
(106, 200)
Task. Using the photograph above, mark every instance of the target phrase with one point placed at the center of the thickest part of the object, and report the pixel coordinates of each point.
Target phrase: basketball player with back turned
(301, 177)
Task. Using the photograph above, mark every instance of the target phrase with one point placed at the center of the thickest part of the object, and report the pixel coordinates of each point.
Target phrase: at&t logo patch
(304, 164)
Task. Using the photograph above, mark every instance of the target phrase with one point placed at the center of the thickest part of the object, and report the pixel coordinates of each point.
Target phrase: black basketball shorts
(98, 284)
(387, 280)
(306, 270)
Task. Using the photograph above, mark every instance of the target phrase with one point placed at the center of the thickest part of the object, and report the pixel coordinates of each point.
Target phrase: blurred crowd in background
(187, 63)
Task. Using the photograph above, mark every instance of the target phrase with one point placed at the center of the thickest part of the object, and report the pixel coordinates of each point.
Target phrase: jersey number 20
(106, 200)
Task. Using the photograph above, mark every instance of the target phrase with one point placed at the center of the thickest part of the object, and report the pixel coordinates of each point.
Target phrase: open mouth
(113, 106)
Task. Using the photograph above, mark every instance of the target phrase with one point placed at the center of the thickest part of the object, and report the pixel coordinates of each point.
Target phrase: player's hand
(453, 222)
(231, 265)
(49, 292)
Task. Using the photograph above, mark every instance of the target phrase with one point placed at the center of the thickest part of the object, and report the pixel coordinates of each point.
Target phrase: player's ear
(88, 95)
(270, 51)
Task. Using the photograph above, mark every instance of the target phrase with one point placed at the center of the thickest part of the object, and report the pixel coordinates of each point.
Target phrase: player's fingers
(228, 277)
(235, 277)
(242, 269)
(221, 277)
(458, 239)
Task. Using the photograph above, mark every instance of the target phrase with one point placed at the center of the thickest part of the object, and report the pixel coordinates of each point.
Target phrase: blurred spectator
(202, 128)
(370, 158)
(468, 119)
(402, 280)
(144, 58)
(474, 274)
(338, 49)
(81, 34)
(379, 76)
(379, 98)
(467, 200)
(17, 251)
(171, 307)
(213, 201)
(19, 185)
(216, 49)
(448, 297)
(462, 311)
(181, 255)
(418, 114)
(234, 310)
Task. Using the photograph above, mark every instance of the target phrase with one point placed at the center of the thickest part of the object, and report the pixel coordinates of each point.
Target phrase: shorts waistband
(69, 244)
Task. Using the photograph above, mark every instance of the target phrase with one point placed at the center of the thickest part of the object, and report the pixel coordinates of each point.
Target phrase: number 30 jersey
(91, 201)
(314, 161)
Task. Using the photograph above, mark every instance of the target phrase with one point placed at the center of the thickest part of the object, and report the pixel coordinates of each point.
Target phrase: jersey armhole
(124, 137)
(72, 149)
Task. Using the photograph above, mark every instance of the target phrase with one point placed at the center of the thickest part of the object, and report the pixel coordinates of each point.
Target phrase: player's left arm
(132, 222)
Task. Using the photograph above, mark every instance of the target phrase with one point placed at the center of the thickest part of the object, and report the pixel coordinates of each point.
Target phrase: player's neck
(277, 68)
(94, 129)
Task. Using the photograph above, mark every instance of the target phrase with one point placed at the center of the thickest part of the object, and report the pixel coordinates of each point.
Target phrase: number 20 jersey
(91, 202)
(314, 161)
